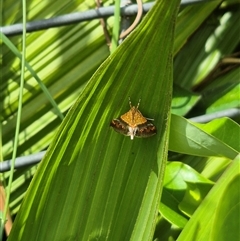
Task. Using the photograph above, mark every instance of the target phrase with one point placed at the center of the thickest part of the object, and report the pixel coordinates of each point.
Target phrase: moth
(133, 123)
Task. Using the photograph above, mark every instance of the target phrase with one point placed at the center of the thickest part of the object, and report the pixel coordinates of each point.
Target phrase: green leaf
(106, 185)
(186, 137)
(195, 193)
(194, 16)
(223, 93)
(214, 167)
(220, 128)
(34, 74)
(183, 100)
(213, 40)
(184, 189)
(217, 218)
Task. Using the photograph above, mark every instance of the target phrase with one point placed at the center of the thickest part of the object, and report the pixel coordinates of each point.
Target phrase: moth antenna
(138, 103)
(129, 101)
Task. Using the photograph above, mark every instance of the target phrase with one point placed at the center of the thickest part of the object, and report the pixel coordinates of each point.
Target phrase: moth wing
(119, 126)
(146, 130)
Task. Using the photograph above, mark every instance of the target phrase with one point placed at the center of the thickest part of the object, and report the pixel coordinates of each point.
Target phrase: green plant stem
(116, 27)
(18, 117)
